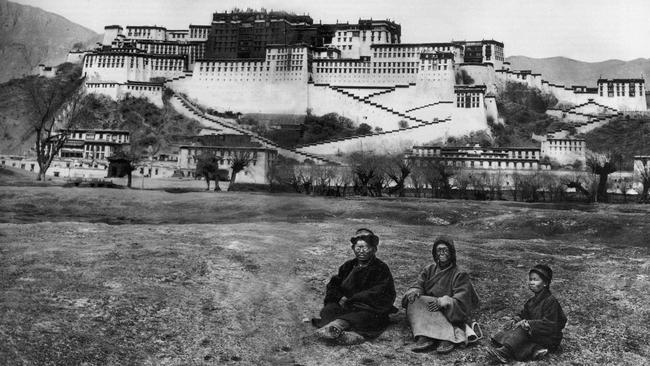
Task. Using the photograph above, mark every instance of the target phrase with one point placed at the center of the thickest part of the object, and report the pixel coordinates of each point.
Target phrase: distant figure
(360, 297)
(537, 329)
(439, 305)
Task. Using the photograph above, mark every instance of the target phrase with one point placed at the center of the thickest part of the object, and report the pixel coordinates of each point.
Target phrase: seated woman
(537, 329)
(360, 297)
(441, 302)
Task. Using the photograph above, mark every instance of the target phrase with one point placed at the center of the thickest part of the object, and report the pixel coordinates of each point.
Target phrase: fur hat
(543, 271)
(365, 235)
(444, 239)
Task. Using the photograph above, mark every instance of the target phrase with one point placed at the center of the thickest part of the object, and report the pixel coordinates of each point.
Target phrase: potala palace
(275, 62)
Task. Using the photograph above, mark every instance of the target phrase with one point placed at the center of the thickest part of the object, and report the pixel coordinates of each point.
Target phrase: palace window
(632, 88)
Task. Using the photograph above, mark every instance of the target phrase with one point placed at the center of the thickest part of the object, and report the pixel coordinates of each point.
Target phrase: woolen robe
(546, 319)
(448, 323)
(370, 291)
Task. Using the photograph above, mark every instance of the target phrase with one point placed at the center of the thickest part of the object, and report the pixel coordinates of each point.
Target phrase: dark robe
(546, 319)
(452, 282)
(370, 291)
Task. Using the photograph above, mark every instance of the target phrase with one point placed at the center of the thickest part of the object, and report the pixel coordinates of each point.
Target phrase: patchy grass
(100, 276)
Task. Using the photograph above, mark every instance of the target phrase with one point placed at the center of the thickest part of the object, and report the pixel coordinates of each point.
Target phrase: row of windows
(434, 67)
(467, 100)
(619, 88)
(199, 33)
(366, 71)
(98, 136)
(266, 79)
(286, 57)
(566, 148)
(144, 88)
(409, 52)
(484, 163)
(565, 142)
(220, 153)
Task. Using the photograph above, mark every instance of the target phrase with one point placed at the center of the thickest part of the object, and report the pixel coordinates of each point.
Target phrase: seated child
(537, 329)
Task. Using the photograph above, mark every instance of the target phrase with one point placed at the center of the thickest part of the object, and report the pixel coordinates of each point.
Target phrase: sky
(585, 30)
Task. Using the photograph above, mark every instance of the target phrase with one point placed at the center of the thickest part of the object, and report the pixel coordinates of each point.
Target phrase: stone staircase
(586, 121)
(223, 125)
(427, 105)
(377, 105)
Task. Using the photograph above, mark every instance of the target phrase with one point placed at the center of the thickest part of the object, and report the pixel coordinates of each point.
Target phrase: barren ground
(115, 277)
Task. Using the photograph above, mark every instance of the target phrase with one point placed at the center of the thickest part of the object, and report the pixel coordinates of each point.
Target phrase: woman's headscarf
(444, 239)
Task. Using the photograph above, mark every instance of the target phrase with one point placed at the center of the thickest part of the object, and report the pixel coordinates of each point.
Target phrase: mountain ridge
(30, 36)
(568, 71)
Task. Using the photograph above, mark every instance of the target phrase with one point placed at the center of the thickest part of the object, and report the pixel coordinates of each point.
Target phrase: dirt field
(119, 277)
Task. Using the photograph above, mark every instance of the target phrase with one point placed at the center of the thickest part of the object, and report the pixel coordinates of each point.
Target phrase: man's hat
(543, 271)
(365, 235)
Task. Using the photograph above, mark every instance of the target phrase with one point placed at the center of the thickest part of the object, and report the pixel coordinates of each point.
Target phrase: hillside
(148, 124)
(626, 137)
(30, 36)
(566, 71)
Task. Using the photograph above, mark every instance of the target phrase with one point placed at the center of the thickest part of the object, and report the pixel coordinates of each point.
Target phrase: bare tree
(53, 107)
(121, 164)
(494, 181)
(240, 161)
(603, 165)
(207, 166)
(368, 170)
(552, 185)
(581, 182)
(418, 178)
(478, 181)
(644, 179)
(438, 175)
(462, 182)
(398, 169)
(342, 179)
(528, 186)
(304, 177)
(281, 172)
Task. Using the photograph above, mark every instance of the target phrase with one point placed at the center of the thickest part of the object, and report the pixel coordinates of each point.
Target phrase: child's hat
(544, 271)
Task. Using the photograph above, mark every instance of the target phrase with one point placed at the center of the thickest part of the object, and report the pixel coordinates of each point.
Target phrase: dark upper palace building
(245, 35)
(238, 35)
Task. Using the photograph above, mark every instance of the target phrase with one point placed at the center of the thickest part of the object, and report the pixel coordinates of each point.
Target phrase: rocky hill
(30, 36)
(566, 71)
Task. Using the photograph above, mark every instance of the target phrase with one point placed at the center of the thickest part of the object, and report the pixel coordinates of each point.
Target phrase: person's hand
(445, 301)
(523, 324)
(434, 305)
(412, 296)
(343, 301)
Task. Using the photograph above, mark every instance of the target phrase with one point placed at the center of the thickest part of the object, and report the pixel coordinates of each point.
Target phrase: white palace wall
(121, 68)
(118, 91)
(462, 123)
(482, 74)
(621, 101)
(439, 110)
(323, 100)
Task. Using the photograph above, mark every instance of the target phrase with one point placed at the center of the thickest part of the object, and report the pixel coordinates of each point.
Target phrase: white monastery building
(278, 62)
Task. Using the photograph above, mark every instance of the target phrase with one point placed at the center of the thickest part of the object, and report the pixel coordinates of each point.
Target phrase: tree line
(368, 174)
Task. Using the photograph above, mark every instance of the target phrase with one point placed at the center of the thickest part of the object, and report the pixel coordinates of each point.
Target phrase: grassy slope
(627, 137)
(15, 136)
(143, 119)
(228, 278)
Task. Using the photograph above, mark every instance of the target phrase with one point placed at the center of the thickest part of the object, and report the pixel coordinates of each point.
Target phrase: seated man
(358, 298)
(441, 302)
